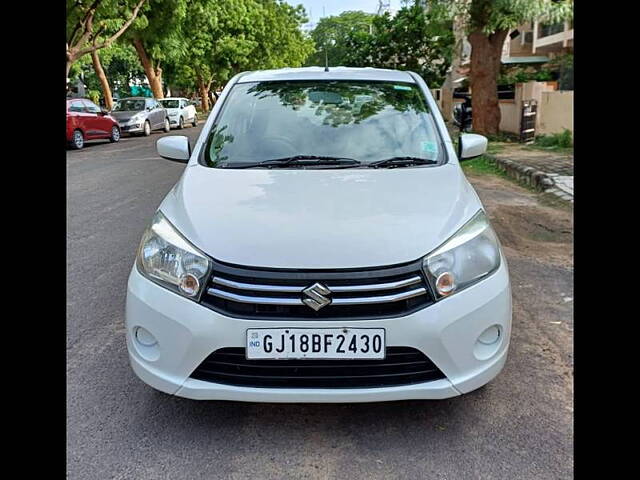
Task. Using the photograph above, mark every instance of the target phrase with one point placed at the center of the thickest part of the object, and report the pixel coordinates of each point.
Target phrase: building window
(544, 30)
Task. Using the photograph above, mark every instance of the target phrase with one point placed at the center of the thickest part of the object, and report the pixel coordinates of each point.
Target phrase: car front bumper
(447, 332)
(131, 128)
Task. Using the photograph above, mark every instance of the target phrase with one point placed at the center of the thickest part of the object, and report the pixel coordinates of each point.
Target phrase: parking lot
(518, 426)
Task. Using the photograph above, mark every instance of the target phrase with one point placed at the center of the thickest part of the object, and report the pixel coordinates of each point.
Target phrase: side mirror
(174, 147)
(471, 145)
(104, 111)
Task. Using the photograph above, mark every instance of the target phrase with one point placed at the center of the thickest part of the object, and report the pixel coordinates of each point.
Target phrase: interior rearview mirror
(174, 147)
(471, 145)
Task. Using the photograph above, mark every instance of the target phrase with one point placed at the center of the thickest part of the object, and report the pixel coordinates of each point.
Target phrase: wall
(555, 108)
(556, 112)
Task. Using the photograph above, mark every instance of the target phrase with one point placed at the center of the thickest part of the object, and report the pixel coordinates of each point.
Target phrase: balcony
(552, 37)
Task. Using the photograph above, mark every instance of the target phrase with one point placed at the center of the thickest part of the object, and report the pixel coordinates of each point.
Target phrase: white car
(322, 245)
(181, 111)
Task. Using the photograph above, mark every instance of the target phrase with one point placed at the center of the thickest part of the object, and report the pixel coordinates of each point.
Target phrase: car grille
(402, 366)
(259, 293)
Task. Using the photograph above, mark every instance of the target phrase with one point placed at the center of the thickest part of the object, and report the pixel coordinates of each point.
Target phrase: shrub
(556, 140)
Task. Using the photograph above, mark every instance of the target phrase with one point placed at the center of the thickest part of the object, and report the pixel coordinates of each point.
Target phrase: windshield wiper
(301, 160)
(394, 162)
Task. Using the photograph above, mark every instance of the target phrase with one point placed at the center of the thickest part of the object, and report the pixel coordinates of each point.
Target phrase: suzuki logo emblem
(316, 296)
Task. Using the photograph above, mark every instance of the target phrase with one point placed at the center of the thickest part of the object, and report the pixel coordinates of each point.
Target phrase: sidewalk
(546, 170)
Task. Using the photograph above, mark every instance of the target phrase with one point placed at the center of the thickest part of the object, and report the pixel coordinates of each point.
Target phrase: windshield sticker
(401, 87)
(430, 147)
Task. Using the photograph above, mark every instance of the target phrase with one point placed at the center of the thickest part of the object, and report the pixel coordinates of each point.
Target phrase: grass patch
(557, 142)
(495, 147)
(482, 165)
(503, 137)
(486, 165)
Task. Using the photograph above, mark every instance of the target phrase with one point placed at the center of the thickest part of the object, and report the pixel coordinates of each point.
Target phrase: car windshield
(365, 121)
(129, 106)
(170, 103)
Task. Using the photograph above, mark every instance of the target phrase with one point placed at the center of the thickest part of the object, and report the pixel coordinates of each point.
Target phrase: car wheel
(115, 134)
(195, 121)
(181, 123)
(78, 140)
(167, 125)
(147, 128)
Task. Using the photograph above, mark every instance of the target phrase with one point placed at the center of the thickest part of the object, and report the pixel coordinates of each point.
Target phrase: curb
(527, 175)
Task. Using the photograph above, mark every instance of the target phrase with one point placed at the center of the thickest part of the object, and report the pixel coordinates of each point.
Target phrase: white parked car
(181, 111)
(323, 245)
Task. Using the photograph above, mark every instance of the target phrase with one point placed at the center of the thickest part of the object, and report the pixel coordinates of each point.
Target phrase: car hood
(124, 114)
(344, 218)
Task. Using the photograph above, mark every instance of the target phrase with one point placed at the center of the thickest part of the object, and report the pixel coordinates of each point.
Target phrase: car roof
(173, 98)
(137, 98)
(334, 73)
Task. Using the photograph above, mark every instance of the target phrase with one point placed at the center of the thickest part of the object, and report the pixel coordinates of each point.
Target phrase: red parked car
(87, 121)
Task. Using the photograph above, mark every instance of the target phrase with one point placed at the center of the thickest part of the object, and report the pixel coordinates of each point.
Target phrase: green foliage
(225, 37)
(414, 39)
(490, 16)
(334, 34)
(121, 66)
(109, 17)
(483, 165)
(556, 140)
(94, 96)
(161, 26)
(525, 73)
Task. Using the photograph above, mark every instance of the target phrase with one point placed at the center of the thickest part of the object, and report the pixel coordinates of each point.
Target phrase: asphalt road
(519, 426)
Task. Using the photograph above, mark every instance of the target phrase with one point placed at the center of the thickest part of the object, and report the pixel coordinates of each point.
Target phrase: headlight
(168, 259)
(135, 118)
(468, 256)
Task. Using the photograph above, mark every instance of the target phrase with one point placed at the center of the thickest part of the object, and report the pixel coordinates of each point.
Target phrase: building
(529, 47)
(538, 42)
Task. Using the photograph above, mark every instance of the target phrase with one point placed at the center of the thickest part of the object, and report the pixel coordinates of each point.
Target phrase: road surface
(519, 426)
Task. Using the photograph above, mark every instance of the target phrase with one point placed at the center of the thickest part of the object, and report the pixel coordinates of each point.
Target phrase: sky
(335, 7)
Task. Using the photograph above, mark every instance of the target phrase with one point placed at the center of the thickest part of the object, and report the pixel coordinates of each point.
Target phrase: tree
(104, 83)
(488, 23)
(87, 23)
(230, 36)
(120, 66)
(159, 35)
(414, 39)
(334, 34)
(280, 42)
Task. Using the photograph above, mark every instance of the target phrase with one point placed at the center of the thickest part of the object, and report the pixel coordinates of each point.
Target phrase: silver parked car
(140, 115)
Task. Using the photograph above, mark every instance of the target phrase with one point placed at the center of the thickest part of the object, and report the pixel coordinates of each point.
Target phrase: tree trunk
(104, 83)
(154, 75)
(204, 95)
(486, 52)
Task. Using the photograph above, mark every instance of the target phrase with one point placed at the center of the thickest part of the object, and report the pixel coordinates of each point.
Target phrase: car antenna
(326, 59)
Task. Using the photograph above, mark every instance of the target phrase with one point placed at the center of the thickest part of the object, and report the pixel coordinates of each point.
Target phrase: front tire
(147, 128)
(181, 123)
(115, 134)
(78, 140)
(167, 125)
(195, 121)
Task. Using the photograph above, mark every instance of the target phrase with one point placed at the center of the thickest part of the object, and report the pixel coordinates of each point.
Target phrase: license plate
(315, 343)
